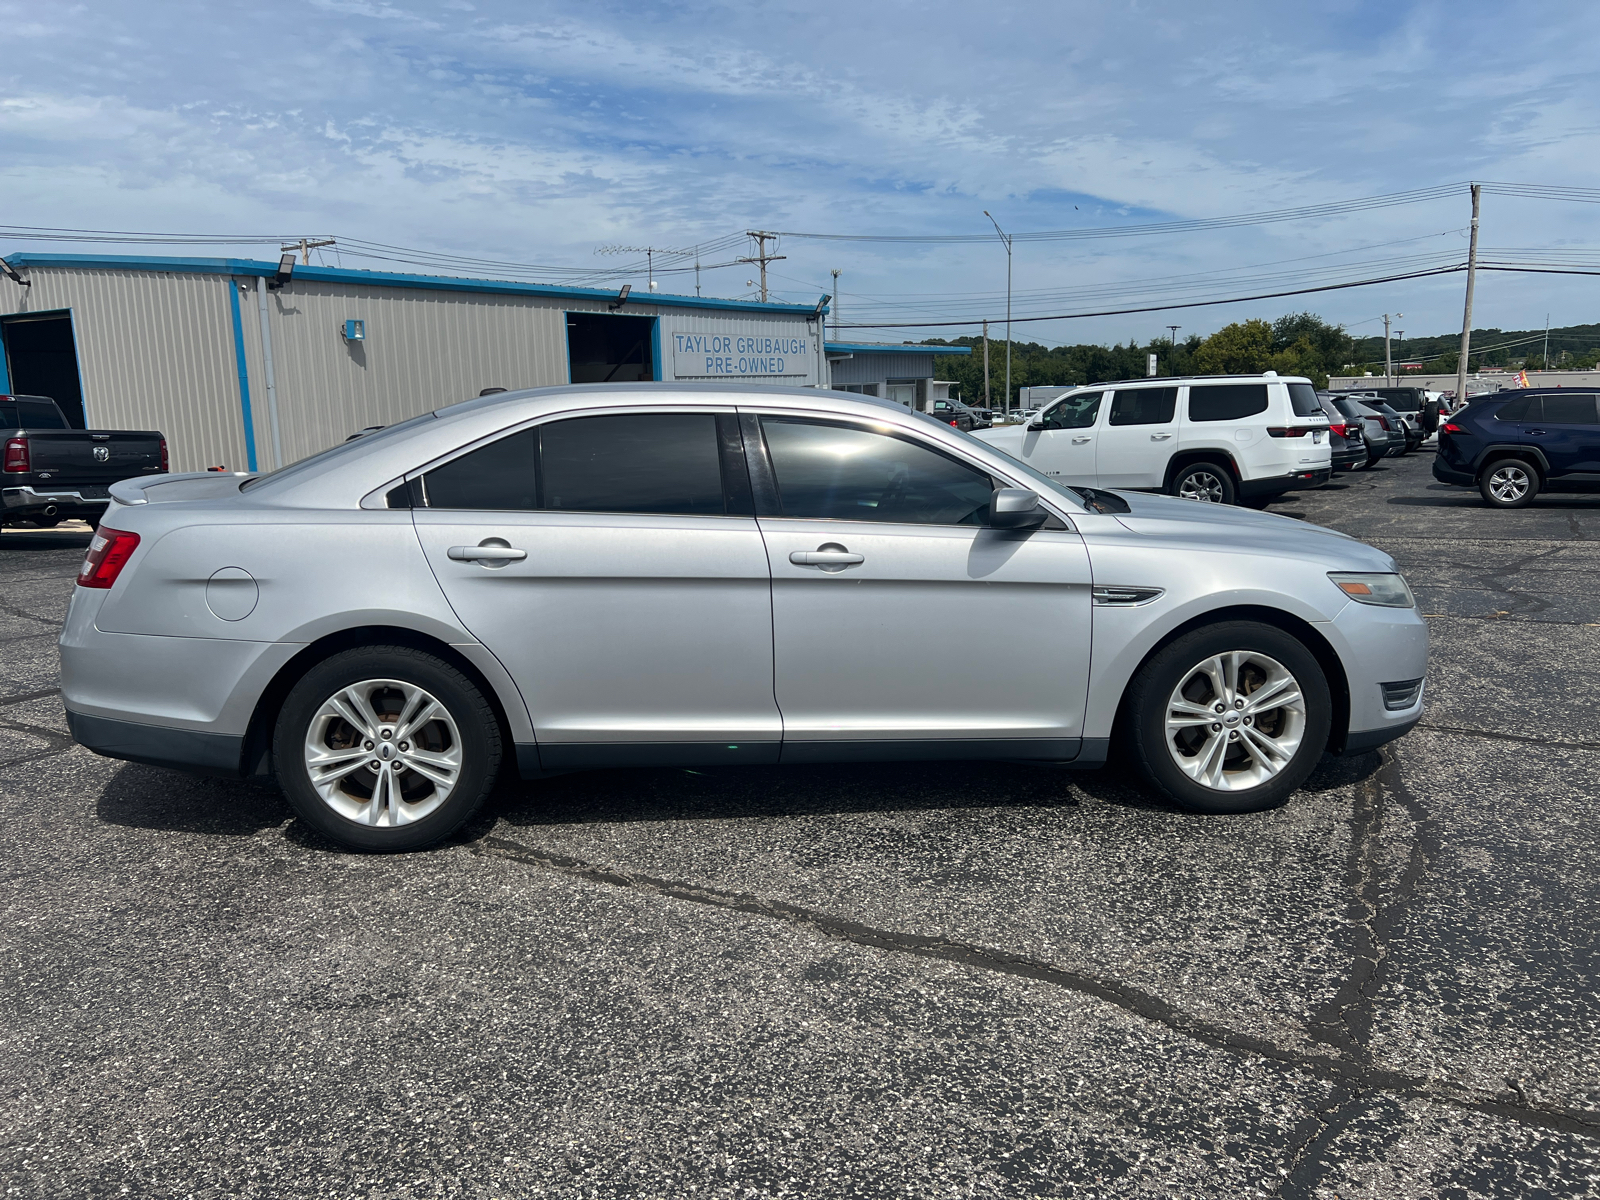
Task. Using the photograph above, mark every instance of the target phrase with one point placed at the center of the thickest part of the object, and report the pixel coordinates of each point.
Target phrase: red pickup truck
(50, 472)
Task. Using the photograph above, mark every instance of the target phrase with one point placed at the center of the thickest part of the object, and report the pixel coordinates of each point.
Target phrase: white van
(1222, 438)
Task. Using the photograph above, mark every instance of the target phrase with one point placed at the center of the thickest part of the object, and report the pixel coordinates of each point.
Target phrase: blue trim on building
(5, 371)
(244, 376)
(655, 350)
(442, 283)
(889, 348)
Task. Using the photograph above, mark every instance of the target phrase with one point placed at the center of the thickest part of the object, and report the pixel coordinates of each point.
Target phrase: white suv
(1220, 438)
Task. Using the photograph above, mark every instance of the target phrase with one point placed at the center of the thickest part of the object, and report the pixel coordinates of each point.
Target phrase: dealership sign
(737, 356)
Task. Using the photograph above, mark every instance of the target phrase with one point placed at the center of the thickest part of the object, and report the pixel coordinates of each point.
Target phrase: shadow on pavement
(155, 798)
(20, 540)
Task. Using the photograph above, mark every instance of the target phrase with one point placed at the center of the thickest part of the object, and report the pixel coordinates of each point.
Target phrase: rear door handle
(1159, 437)
(491, 551)
(1537, 432)
(830, 556)
(1078, 441)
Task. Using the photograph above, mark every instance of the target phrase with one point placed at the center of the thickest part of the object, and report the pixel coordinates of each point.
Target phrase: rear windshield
(349, 449)
(25, 413)
(1303, 398)
(1402, 399)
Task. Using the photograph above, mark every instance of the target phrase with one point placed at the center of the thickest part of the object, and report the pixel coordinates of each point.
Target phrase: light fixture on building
(284, 273)
(11, 274)
(622, 297)
(355, 330)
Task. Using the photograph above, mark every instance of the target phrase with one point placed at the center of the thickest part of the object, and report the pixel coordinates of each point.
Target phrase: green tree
(1242, 348)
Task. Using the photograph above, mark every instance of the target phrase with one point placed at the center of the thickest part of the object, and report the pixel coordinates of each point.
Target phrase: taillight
(1452, 427)
(163, 456)
(1338, 429)
(1383, 424)
(108, 554)
(17, 460)
(956, 423)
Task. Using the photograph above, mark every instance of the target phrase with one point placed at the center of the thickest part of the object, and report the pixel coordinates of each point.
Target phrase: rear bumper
(1277, 484)
(184, 749)
(30, 501)
(1445, 473)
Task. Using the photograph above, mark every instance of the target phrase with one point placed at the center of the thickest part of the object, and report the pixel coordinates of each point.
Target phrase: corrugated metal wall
(875, 368)
(157, 351)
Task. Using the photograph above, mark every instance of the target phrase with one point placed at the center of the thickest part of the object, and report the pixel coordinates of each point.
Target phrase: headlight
(1388, 590)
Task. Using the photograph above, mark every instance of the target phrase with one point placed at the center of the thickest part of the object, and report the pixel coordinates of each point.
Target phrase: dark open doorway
(43, 360)
(605, 349)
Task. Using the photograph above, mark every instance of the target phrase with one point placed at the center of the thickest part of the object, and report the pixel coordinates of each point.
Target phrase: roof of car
(1154, 380)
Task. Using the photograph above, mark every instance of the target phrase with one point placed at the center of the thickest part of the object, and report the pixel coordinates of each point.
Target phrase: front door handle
(1536, 432)
(1078, 441)
(830, 556)
(491, 552)
(1159, 437)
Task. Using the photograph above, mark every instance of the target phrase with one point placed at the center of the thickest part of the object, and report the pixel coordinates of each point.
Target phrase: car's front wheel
(386, 748)
(1508, 483)
(1230, 718)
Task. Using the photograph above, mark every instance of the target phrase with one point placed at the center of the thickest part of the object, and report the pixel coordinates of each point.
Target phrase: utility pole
(1007, 240)
(986, 402)
(836, 272)
(1466, 320)
(1399, 341)
(305, 246)
(1547, 341)
(1388, 361)
(697, 271)
(1172, 364)
(761, 256)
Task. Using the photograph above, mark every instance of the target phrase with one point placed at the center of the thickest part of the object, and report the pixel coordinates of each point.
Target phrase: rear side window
(500, 477)
(635, 463)
(1576, 409)
(835, 472)
(1515, 410)
(1227, 401)
(8, 416)
(1303, 399)
(1143, 406)
(666, 463)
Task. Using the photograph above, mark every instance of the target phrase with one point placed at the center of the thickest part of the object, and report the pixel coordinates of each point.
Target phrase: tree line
(1297, 344)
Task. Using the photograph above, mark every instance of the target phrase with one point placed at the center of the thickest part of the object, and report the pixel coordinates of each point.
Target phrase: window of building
(830, 471)
(1143, 406)
(606, 348)
(1227, 401)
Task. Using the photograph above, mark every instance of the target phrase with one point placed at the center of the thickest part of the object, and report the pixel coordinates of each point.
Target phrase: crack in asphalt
(1492, 580)
(26, 697)
(58, 742)
(1554, 743)
(1358, 1073)
(1297, 1179)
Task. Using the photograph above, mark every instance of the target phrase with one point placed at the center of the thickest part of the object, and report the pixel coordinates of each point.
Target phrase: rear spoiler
(131, 491)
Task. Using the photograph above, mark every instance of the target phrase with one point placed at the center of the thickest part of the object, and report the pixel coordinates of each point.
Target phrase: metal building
(903, 372)
(245, 365)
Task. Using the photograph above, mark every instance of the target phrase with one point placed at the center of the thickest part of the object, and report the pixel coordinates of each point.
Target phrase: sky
(538, 133)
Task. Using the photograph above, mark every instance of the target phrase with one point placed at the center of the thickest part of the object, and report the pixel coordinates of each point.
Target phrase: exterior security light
(284, 272)
(10, 273)
(355, 330)
(622, 297)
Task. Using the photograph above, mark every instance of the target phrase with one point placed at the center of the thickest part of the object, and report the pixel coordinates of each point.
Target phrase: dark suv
(1412, 402)
(1515, 444)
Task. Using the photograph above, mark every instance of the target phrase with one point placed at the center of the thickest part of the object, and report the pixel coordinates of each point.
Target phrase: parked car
(1405, 424)
(957, 414)
(747, 565)
(1515, 444)
(1346, 439)
(50, 472)
(1415, 403)
(1216, 438)
(1382, 437)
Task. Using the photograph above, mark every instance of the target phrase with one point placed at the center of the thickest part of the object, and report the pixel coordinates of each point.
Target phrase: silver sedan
(670, 574)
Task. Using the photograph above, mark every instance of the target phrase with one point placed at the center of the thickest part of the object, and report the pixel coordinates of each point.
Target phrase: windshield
(350, 449)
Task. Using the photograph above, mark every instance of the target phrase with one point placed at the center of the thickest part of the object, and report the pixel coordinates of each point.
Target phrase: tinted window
(634, 463)
(497, 476)
(1514, 410)
(1143, 406)
(1348, 407)
(8, 416)
(1401, 399)
(1075, 412)
(1227, 401)
(39, 414)
(846, 473)
(1303, 399)
(1576, 409)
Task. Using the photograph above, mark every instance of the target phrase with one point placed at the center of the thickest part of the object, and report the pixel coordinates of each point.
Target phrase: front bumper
(1278, 484)
(1379, 645)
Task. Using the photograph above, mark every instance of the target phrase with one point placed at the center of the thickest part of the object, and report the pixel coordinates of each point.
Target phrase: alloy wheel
(1509, 483)
(383, 753)
(1235, 720)
(1201, 485)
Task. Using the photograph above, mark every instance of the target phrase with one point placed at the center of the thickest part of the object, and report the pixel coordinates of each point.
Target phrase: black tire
(1173, 665)
(1204, 479)
(469, 728)
(1509, 483)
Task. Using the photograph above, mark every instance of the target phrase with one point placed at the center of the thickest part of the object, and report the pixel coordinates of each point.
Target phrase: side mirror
(1016, 508)
(1036, 427)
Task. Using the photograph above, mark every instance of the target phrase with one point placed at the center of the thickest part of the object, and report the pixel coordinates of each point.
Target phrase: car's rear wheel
(1509, 483)
(1207, 481)
(1230, 718)
(386, 748)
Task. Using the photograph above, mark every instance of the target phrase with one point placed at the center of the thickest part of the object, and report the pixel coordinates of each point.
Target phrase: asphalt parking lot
(926, 981)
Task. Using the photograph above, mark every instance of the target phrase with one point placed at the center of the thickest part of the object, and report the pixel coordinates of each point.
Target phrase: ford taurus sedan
(669, 574)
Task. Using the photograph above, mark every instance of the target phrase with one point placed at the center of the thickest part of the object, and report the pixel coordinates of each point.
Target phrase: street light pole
(1006, 239)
